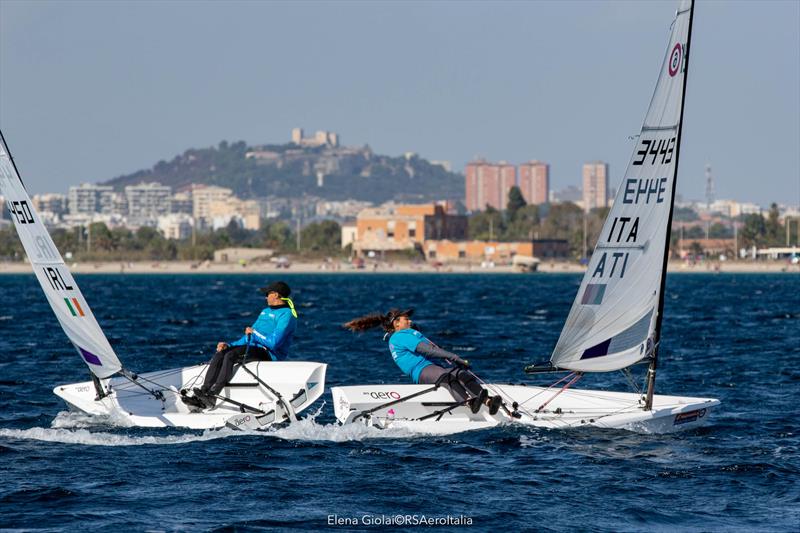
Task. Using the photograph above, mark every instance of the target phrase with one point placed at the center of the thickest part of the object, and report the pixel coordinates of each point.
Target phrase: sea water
(735, 337)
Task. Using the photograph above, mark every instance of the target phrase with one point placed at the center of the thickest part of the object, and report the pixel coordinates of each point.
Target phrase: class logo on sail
(675, 60)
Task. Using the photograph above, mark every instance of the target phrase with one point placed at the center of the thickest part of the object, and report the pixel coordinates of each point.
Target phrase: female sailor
(425, 362)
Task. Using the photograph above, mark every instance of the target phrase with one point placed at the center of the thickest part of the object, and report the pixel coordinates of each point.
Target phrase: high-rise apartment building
(534, 182)
(488, 184)
(595, 185)
(148, 201)
(87, 199)
(508, 179)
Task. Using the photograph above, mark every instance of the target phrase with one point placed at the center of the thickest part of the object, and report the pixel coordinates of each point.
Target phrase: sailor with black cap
(269, 339)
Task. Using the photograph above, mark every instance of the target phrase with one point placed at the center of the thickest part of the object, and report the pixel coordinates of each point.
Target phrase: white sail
(612, 321)
(62, 292)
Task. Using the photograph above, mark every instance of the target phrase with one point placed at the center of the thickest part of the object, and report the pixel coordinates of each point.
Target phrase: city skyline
(73, 111)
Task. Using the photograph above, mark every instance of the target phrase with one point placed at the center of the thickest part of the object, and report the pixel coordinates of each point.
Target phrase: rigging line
(620, 410)
(574, 380)
(568, 376)
(128, 375)
(500, 392)
(629, 376)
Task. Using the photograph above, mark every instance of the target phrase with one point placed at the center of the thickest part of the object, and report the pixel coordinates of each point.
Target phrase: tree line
(98, 242)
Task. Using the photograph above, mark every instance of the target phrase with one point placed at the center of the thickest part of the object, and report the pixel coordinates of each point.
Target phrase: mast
(651, 371)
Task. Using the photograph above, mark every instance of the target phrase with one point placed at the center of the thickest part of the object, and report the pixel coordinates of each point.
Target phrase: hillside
(289, 170)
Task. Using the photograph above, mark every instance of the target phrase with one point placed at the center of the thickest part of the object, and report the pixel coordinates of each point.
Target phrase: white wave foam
(90, 438)
(74, 428)
(308, 429)
(79, 420)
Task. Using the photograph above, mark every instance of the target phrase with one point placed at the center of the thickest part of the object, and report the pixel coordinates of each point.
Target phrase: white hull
(128, 404)
(571, 408)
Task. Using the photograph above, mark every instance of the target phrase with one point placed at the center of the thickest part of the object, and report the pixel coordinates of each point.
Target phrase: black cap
(394, 314)
(277, 286)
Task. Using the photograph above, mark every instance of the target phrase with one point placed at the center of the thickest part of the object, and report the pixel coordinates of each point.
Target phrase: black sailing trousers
(220, 368)
(462, 384)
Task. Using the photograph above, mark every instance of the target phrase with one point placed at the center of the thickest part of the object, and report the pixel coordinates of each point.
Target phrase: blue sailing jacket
(273, 330)
(403, 345)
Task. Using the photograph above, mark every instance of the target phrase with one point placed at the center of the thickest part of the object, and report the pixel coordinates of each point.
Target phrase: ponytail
(366, 322)
(374, 320)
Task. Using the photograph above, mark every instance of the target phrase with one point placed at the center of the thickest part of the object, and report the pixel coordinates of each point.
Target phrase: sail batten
(613, 319)
(62, 293)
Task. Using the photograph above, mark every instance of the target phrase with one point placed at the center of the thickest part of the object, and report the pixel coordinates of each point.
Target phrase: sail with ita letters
(613, 320)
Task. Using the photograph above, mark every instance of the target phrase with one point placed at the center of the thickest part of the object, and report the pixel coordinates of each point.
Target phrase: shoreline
(322, 267)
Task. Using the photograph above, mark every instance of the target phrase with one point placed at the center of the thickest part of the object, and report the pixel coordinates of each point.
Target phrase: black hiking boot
(494, 405)
(207, 399)
(477, 401)
(192, 401)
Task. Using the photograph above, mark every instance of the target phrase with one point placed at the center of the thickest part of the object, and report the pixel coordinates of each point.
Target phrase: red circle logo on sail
(675, 59)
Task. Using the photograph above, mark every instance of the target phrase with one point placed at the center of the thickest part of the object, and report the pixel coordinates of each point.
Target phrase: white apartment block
(148, 201)
(87, 199)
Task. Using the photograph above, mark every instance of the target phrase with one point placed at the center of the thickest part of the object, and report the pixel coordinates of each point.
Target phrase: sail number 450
(21, 211)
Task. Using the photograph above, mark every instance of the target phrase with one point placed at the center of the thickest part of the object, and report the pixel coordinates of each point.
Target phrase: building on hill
(320, 138)
(534, 182)
(405, 227)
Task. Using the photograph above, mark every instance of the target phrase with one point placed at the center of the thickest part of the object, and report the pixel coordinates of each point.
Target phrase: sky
(93, 90)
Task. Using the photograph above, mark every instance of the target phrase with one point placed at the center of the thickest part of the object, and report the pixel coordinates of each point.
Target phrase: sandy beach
(341, 267)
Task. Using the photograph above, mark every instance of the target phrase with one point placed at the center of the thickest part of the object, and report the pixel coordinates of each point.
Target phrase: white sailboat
(260, 394)
(615, 320)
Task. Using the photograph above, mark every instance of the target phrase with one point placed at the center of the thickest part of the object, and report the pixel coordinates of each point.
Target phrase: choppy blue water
(733, 337)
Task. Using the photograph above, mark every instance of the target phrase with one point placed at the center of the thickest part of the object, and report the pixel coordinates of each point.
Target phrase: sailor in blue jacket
(424, 362)
(269, 338)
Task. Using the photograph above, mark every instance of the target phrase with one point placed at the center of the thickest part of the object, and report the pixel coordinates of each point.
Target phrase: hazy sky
(93, 90)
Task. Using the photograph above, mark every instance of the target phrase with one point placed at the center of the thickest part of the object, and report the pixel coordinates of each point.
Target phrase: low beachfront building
(240, 255)
(392, 228)
(447, 251)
